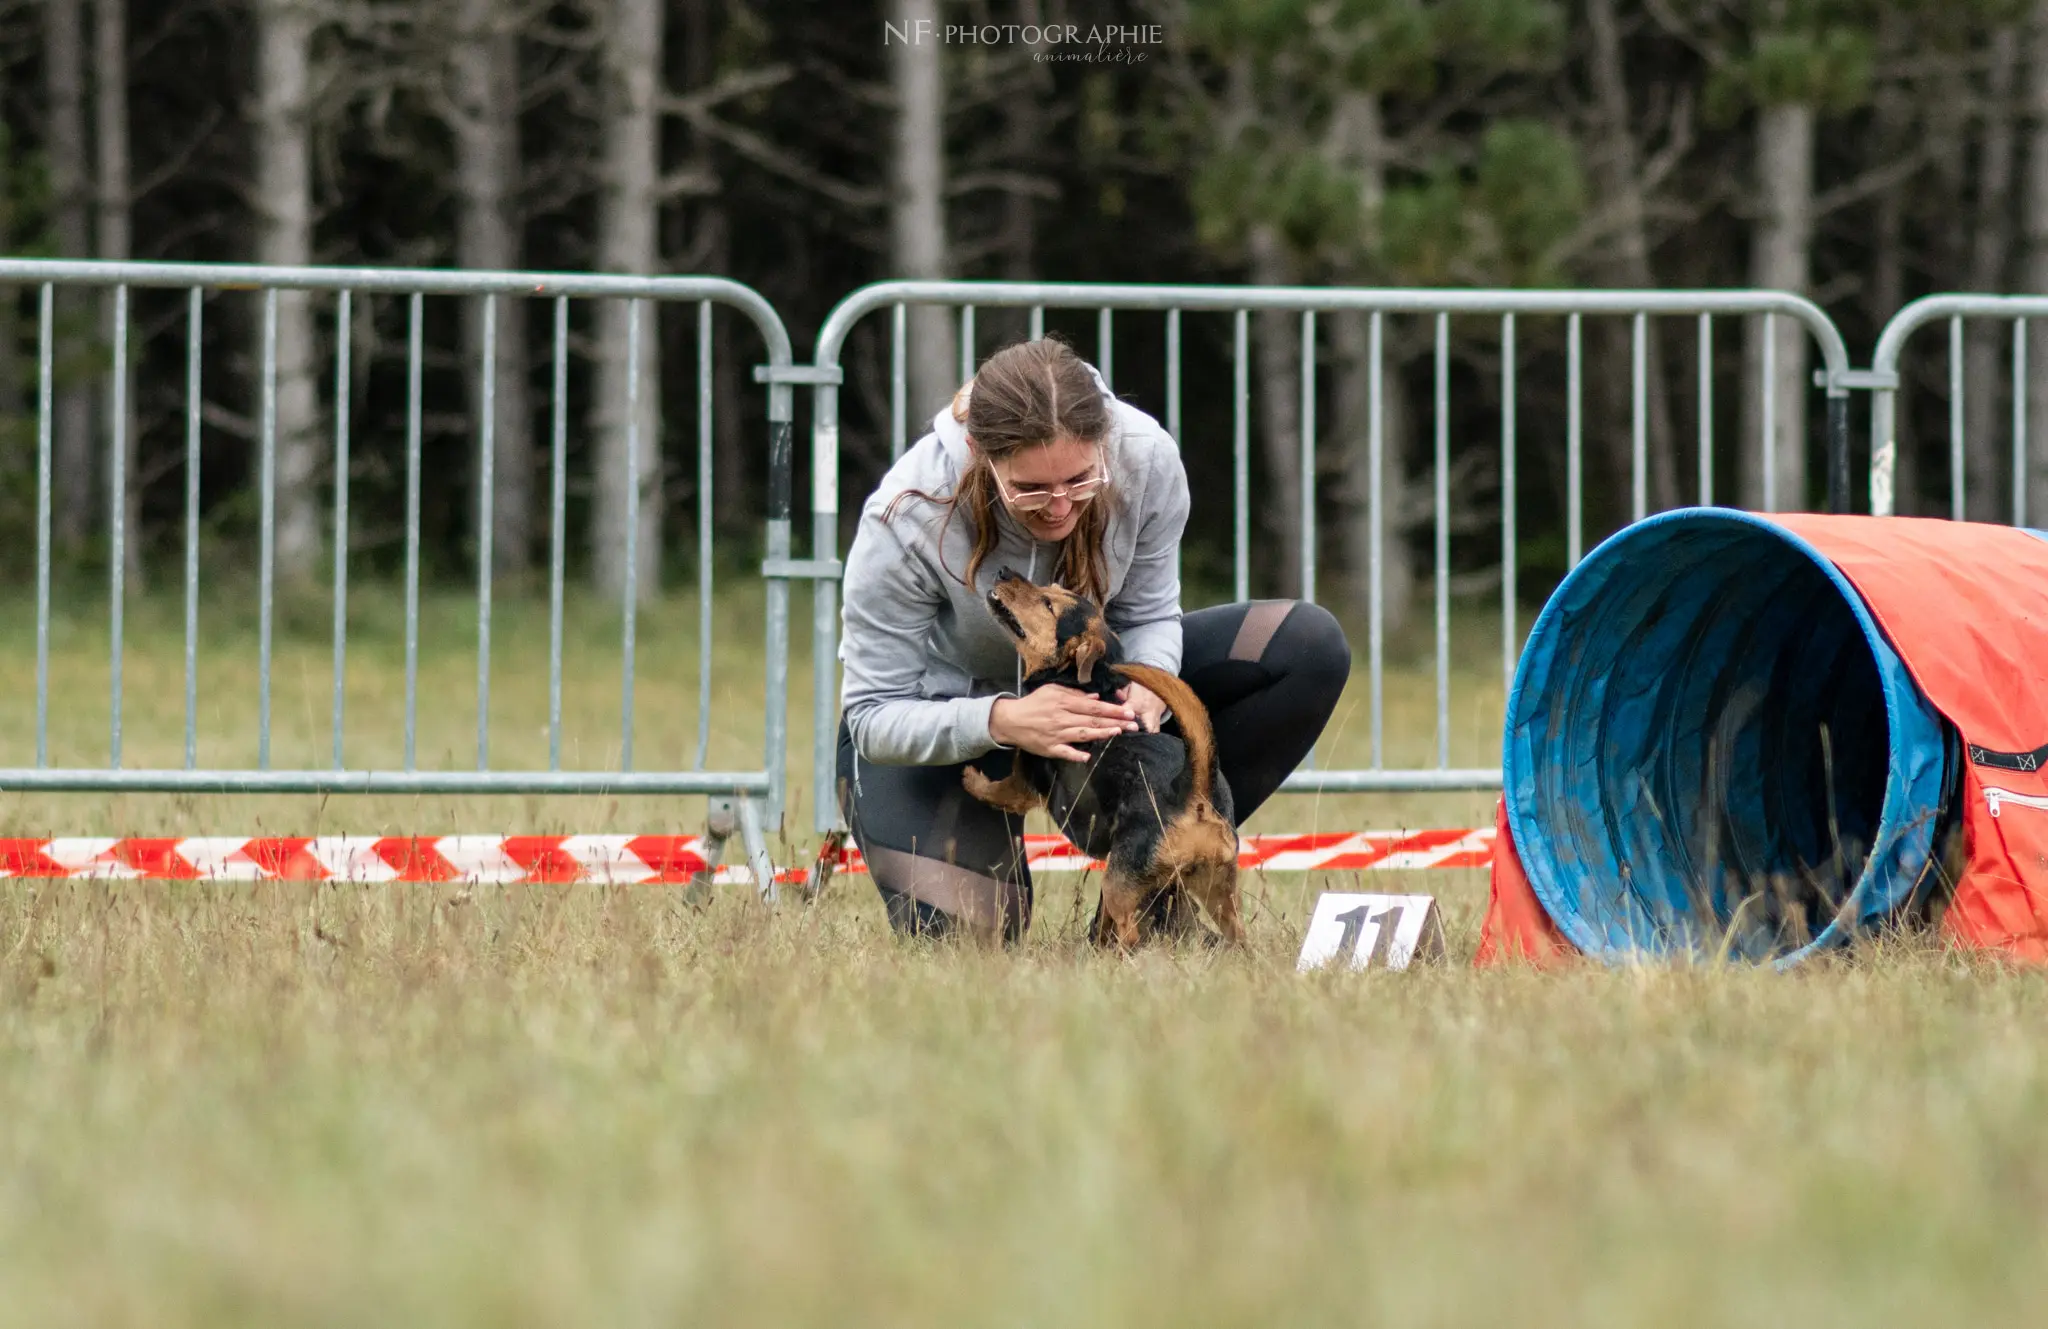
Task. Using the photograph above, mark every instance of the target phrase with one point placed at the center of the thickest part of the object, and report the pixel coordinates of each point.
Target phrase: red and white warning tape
(626, 858)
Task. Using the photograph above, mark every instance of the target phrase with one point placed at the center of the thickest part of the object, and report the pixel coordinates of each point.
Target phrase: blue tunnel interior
(1712, 750)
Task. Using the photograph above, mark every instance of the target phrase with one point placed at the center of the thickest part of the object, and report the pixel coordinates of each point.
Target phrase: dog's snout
(1006, 573)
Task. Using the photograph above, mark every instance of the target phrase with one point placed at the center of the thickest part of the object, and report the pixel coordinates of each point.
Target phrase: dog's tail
(1193, 716)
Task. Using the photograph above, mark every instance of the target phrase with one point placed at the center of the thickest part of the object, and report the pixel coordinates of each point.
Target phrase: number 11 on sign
(1385, 931)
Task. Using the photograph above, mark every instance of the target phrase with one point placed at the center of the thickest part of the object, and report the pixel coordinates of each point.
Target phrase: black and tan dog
(1153, 806)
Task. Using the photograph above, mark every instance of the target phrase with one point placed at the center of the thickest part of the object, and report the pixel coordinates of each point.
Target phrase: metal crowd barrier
(756, 794)
(1835, 377)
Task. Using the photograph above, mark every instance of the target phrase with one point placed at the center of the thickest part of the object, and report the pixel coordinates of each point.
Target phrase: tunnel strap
(2009, 761)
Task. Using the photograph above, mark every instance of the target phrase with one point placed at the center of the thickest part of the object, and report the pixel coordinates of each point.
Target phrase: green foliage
(1392, 47)
(1498, 220)
(1423, 228)
(1531, 188)
(1502, 35)
(1312, 203)
(1280, 74)
(1829, 69)
(1820, 53)
(1369, 45)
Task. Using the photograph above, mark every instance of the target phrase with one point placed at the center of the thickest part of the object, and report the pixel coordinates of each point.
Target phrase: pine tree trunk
(284, 235)
(72, 462)
(1025, 114)
(2036, 223)
(1276, 350)
(917, 212)
(1619, 170)
(1360, 133)
(1987, 425)
(14, 370)
(1887, 297)
(1351, 338)
(732, 478)
(1888, 263)
(484, 61)
(1780, 260)
(111, 190)
(627, 229)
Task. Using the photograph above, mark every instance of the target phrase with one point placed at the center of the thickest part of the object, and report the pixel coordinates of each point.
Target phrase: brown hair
(1026, 395)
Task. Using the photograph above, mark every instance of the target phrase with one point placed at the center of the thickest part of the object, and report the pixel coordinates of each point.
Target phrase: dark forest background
(1861, 153)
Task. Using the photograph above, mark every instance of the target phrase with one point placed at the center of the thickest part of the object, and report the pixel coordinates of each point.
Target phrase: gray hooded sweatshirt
(924, 661)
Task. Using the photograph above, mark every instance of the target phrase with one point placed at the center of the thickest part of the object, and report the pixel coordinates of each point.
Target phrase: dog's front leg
(1116, 919)
(1013, 793)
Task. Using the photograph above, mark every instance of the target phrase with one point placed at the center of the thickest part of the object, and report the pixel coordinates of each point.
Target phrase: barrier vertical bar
(824, 603)
(1706, 410)
(413, 357)
(193, 301)
(486, 521)
(629, 636)
(1037, 322)
(118, 488)
(899, 385)
(267, 539)
(1639, 418)
(2019, 421)
(1375, 517)
(1105, 348)
(1574, 448)
(558, 449)
(1443, 541)
(824, 595)
(1173, 375)
(966, 342)
(1240, 442)
(1308, 455)
(1509, 503)
(1770, 413)
(1173, 400)
(1956, 469)
(46, 320)
(343, 390)
(1839, 498)
(775, 727)
(705, 509)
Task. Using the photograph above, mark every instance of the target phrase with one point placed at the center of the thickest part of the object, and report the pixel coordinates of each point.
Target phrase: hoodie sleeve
(1146, 612)
(891, 601)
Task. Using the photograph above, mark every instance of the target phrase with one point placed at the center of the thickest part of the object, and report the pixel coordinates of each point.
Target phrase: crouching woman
(1035, 466)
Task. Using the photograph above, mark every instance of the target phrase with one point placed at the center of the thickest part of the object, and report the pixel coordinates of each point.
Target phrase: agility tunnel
(1758, 738)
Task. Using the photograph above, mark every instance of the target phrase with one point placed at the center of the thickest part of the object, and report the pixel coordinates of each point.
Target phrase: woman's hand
(1146, 705)
(1050, 720)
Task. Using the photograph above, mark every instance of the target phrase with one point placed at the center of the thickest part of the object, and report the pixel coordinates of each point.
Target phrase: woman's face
(1055, 465)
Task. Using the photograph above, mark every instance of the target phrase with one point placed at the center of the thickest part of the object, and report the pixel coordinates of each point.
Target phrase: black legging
(1269, 671)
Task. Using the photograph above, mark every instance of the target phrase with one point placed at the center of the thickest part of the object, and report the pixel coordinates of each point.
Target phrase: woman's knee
(912, 917)
(1312, 643)
(935, 897)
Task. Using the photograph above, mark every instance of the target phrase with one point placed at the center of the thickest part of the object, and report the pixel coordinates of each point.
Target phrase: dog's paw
(977, 784)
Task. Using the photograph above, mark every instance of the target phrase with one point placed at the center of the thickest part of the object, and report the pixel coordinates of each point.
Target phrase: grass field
(320, 1104)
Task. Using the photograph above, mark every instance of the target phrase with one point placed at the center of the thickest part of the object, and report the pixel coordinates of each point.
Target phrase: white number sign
(1367, 930)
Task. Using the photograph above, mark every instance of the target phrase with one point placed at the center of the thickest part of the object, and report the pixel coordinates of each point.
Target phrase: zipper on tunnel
(1993, 797)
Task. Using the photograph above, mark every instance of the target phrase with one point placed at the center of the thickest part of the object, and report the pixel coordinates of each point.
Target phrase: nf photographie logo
(1106, 42)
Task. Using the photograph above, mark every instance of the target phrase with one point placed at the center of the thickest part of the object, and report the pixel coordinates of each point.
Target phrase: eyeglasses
(1033, 500)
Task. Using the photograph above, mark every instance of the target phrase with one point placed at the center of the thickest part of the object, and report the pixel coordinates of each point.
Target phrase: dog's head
(1052, 627)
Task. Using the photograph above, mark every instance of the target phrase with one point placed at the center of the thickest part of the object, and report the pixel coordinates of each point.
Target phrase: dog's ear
(1086, 649)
